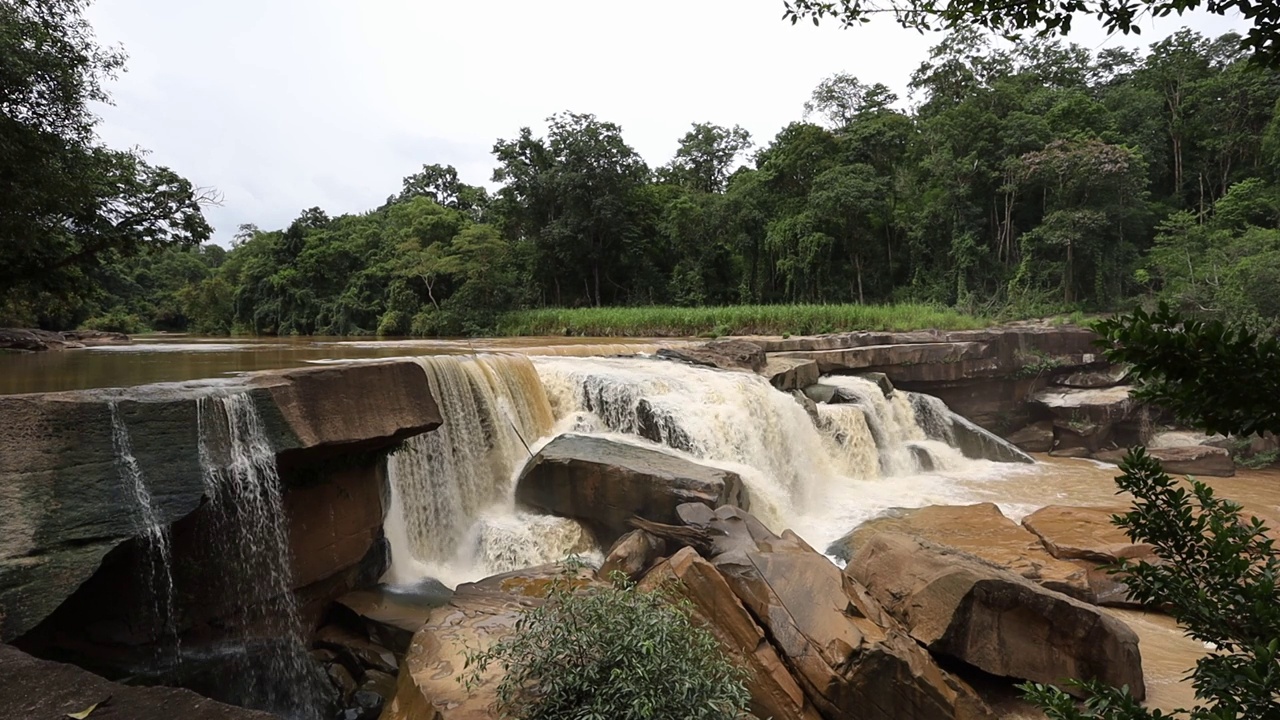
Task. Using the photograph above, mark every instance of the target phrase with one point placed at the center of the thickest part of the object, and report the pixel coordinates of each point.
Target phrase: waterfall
(453, 515)
(892, 421)
(849, 439)
(723, 417)
(273, 670)
(157, 555)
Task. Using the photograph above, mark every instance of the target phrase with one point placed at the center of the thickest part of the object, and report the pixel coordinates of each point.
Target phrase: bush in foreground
(1218, 572)
(611, 653)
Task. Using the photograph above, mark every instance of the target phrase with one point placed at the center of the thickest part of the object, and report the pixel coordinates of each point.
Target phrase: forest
(1013, 181)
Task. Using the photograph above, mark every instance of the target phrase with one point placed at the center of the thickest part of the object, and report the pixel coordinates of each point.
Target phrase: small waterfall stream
(271, 668)
(157, 557)
(453, 487)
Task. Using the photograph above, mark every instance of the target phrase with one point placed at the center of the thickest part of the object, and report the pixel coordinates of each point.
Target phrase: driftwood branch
(677, 536)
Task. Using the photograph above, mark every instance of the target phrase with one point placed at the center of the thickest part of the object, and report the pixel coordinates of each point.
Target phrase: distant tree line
(1030, 179)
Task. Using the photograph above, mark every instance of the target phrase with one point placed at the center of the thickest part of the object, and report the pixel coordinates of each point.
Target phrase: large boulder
(959, 606)
(603, 483)
(1105, 377)
(634, 553)
(849, 656)
(41, 689)
(1034, 438)
(912, 361)
(64, 504)
(774, 692)
(974, 442)
(1086, 418)
(731, 354)
(1084, 533)
(1190, 460)
(980, 530)
(478, 615)
(790, 373)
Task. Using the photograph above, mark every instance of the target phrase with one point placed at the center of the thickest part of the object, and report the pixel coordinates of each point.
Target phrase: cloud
(289, 104)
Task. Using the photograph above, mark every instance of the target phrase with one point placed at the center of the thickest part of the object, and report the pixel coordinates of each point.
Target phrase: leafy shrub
(1217, 572)
(611, 653)
(117, 320)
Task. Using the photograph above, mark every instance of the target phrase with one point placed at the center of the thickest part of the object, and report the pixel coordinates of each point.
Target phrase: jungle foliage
(1025, 179)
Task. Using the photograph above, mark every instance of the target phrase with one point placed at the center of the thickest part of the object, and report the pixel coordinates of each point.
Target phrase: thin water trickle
(273, 670)
(157, 555)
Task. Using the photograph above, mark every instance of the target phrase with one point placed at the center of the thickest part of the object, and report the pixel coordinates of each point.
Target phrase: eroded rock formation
(604, 483)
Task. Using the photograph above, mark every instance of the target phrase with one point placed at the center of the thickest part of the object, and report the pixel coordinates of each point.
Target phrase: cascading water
(453, 515)
(271, 669)
(157, 558)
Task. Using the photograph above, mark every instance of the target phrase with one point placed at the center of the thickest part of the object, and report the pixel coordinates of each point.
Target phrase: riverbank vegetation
(1014, 181)
(734, 320)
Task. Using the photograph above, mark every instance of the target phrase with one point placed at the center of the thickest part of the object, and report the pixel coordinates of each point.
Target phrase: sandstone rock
(810, 407)
(892, 359)
(1098, 406)
(1036, 437)
(634, 553)
(881, 380)
(790, 373)
(980, 530)
(41, 689)
(604, 483)
(64, 505)
(774, 692)
(342, 680)
(1106, 377)
(940, 424)
(1077, 453)
(959, 606)
(850, 658)
(732, 354)
(1191, 460)
(1083, 533)
(358, 651)
(477, 616)
(829, 394)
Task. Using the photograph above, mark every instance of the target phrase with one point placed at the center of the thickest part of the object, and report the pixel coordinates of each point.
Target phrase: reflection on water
(177, 358)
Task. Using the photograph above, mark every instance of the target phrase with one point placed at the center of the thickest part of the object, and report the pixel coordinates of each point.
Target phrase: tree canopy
(1023, 180)
(1045, 17)
(71, 204)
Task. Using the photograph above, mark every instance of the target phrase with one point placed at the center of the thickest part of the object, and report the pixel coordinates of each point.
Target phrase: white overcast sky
(288, 104)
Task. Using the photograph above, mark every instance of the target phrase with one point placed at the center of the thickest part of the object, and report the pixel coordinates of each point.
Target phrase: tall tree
(706, 156)
(69, 203)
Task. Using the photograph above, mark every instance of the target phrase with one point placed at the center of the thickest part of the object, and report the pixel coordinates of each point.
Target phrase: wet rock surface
(1188, 460)
(957, 605)
(603, 483)
(42, 690)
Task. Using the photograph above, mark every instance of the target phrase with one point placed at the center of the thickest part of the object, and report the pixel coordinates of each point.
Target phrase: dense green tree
(71, 204)
(705, 158)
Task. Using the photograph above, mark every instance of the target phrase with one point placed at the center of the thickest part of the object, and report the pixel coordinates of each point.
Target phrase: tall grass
(734, 320)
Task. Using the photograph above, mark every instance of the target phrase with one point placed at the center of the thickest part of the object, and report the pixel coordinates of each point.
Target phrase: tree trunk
(857, 263)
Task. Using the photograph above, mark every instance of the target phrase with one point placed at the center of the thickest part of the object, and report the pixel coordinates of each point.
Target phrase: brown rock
(890, 359)
(634, 553)
(790, 373)
(357, 649)
(1098, 406)
(962, 607)
(1083, 533)
(1036, 437)
(732, 354)
(43, 690)
(366, 405)
(1189, 460)
(604, 483)
(477, 616)
(850, 658)
(980, 530)
(341, 679)
(1106, 377)
(774, 693)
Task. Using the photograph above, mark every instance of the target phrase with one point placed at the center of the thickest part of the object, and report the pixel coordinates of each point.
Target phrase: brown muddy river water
(178, 358)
